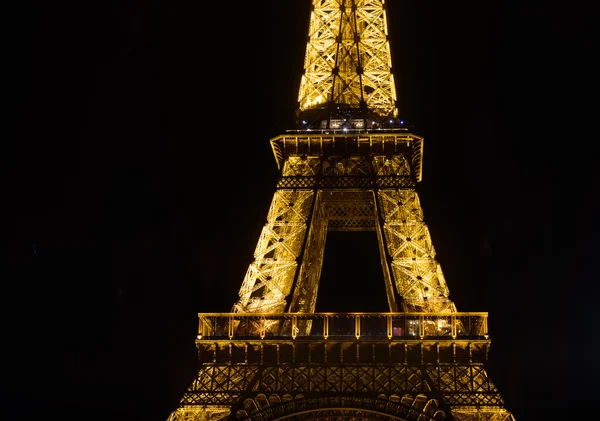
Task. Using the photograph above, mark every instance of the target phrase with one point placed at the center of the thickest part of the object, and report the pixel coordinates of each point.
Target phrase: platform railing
(348, 130)
(342, 326)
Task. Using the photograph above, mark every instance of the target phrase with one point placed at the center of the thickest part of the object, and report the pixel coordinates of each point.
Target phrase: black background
(137, 174)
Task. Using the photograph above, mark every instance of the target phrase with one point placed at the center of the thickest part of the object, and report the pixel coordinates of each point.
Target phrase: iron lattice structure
(349, 165)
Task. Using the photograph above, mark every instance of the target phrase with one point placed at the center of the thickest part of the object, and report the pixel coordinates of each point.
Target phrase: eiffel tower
(349, 164)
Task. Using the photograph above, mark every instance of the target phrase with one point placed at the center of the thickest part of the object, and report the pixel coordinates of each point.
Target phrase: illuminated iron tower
(349, 165)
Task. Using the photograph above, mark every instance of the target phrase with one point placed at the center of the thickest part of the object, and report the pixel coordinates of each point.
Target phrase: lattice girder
(290, 205)
(270, 276)
(339, 165)
(401, 206)
(283, 245)
(348, 58)
(304, 296)
(400, 147)
(301, 166)
(458, 384)
(394, 165)
(463, 388)
(418, 276)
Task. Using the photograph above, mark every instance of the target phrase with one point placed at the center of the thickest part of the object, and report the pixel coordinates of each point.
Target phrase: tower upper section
(347, 79)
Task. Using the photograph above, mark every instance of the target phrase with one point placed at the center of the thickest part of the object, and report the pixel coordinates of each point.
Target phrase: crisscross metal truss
(418, 276)
(396, 213)
(348, 194)
(291, 247)
(459, 386)
(270, 276)
(297, 407)
(348, 58)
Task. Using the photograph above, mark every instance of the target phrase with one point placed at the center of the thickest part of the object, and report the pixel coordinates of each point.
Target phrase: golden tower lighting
(349, 165)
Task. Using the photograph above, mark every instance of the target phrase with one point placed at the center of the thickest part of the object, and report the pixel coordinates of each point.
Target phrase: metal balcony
(342, 326)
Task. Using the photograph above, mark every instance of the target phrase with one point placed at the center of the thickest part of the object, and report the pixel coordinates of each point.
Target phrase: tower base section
(327, 380)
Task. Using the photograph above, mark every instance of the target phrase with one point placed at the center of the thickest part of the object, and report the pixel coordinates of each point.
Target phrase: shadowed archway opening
(351, 277)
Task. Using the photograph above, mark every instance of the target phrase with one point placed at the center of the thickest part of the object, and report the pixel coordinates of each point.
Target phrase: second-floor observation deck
(351, 142)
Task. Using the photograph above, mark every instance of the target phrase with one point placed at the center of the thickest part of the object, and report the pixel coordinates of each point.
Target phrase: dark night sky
(128, 214)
